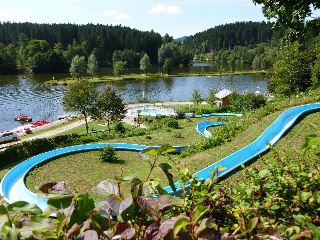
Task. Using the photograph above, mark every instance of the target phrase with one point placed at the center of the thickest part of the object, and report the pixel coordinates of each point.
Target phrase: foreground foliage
(280, 201)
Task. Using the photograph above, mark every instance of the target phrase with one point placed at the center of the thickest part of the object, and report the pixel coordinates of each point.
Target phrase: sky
(178, 18)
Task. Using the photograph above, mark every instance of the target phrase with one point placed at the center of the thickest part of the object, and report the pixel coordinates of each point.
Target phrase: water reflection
(43, 102)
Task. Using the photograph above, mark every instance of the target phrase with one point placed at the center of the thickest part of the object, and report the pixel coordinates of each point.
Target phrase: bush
(173, 123)
(180, 115)
(246, 102)
(108, 154)
(118, 127)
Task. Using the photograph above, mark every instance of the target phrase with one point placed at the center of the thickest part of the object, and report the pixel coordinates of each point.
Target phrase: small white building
(223, 98)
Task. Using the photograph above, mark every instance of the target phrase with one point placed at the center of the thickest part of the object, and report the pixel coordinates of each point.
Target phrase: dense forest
(58, 43)
(40, 48)
(229, 35)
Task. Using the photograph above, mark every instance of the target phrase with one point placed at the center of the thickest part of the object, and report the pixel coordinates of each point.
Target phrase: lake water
(43, 102)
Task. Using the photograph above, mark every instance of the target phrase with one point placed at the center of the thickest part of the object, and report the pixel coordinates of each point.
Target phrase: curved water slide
(271, 135)
(13, 187)
(13, 184)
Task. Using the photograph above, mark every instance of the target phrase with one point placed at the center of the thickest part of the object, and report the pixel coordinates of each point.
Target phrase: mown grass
(106, 79)
(83, 171)
(94, 125)
(257, 123)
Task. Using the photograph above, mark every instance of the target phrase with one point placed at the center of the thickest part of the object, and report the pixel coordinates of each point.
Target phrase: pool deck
(129, 119)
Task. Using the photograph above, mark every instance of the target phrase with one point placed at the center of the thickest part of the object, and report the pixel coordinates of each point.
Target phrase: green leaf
(25, 207)
(161, 191)
(106, 188)
(3, 221)
(127, 178)
(131, 176)
(253, 223)
(53, 190)
(32, 224)
(167, 200)
(165, 167)
(119, 206)
(180, 224)
(165, 149)
(136, 186)
(220, 168)
(263, 173)
(149, 151)
(197, 213)
(204, 223)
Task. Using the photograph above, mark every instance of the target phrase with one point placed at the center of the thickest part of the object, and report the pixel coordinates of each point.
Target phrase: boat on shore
(23, 118)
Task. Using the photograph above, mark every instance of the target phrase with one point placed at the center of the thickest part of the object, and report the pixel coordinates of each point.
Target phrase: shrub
(173, 123)
(180, 114)
(108, 154)
(118, 127)
(246, 102)
(28, 131)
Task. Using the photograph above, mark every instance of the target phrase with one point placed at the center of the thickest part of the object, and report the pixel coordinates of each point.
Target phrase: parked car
(8, 136)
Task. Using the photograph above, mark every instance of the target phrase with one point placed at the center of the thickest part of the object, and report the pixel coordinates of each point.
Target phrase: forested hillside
(102, 40)
(227, 36)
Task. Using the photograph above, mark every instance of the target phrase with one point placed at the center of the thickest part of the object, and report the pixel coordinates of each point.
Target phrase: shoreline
(107, 79)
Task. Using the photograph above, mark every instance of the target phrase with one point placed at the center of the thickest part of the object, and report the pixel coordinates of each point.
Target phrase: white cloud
(123, 16)
(110, 12)
(9, 17)
(115, 13)
(162, 8)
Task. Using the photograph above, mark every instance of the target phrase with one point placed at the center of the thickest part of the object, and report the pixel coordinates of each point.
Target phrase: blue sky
(177, 18)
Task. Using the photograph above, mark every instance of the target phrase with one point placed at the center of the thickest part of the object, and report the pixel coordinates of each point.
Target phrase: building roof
(223, 93)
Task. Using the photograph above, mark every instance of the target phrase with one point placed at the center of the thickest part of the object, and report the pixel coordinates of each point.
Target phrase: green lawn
(84, 170)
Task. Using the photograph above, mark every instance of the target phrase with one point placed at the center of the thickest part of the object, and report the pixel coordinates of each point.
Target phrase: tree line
(227, 36)
(41, 48)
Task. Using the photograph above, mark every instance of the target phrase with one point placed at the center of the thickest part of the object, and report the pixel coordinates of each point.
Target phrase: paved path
(129, 119)
(48, 133)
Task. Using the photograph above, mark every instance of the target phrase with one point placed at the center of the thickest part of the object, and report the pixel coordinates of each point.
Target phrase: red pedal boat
(23, 118)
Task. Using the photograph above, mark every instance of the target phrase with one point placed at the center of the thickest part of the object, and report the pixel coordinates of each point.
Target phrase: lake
(43, 102)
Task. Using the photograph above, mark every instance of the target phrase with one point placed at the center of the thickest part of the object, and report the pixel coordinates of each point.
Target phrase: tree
(110, 106)
(211, 99)
(92, 65)
(294, 14)
(81, 97)
(168, 65)
(164, 52)
(196, 96)
(145, 64)
(291, 73)
(119, 68)
(78, 67)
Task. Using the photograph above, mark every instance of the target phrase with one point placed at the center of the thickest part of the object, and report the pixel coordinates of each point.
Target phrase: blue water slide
(202, 127)
(13, 184)
(271, 135)
(13, 187)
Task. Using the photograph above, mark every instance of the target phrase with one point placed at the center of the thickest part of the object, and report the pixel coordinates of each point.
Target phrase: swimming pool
(148, 111)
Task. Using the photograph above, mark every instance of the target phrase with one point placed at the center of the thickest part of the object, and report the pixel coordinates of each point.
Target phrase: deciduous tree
(291, 73)
(168, 65)
(145, 64)
(196, 96)
(298, 15)
(211, 99)
(119, 68)
(92, 65)
(78, 67)
(81, 97)
(110, 106)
